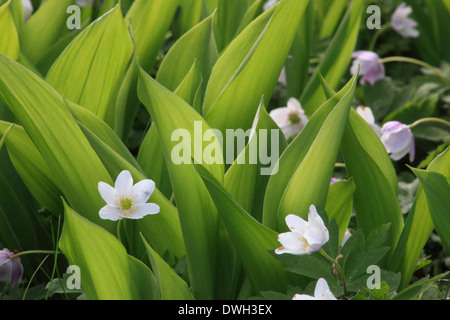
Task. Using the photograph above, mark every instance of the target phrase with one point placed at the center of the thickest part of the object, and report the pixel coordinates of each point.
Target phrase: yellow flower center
(126, 204)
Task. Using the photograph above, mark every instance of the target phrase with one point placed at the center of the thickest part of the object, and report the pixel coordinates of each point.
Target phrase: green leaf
(368, 163)
(143, 15)
(44, 28)
(107, 271)
(198, 216)
(162, 230)
(437, 191)
(252, 240)
(339, 204)
(75, 167)
(247, 178)
(242, 75)
(310, 157)
(9, 39)
(418, 226)
(32, 168)
(171, 285)
(335, 62)
(195, 47)
(415, 289)
(91, 69)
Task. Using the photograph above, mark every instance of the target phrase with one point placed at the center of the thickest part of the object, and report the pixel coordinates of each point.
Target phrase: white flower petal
(280, 116)
(322, 291)
(110, 213)
(296, 224)
(124, 183)
(144, 209)
(303, 297)
(294, 105)
(143, 190)
(107, 192)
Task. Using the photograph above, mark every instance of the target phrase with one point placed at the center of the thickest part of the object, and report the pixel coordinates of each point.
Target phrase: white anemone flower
(321, 292)
(126, 200)
(367, 114)
(291, 119)
(305, 237)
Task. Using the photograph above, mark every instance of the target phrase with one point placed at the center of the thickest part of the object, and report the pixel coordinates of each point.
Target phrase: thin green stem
(338, 267)
(425, 120)
(413, 61)
(421, 63)
(119, 225)
(23, 253)
(377, 35)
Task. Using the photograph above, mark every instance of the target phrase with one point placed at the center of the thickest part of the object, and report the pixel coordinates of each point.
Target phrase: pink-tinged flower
(398, 140)
(321, 292)
(11, 270)
(402, 24)
(126, 200)
(371, 69)
(367, 114)
(305, 237)
(334, 180)
(291, 119)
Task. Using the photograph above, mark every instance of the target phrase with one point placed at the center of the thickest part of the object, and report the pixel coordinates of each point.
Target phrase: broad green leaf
(44, 28)
(335, 62)
(437, 192)
(252, 240)
(332, 18)
(297, 63)
(189, 60)
(107, 271)
(151, 155)
(149, 21)
(198, 216)
(9, 39)
(172, 287)
(76, 169)
(310, 157)
(90, 70)
(339, 205)
(418, 226)
(246, 179)
(195, 47)
(229, 17)
(162, 230)
(32, 168)
(368, 163)
(191, 12)
(242, 75)
(365, 156)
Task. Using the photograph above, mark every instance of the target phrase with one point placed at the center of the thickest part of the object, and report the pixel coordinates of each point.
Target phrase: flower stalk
(337, 267)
